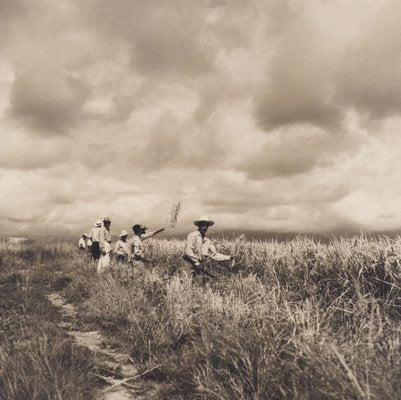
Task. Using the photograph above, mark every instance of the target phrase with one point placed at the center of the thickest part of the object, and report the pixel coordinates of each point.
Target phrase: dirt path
(122, 377)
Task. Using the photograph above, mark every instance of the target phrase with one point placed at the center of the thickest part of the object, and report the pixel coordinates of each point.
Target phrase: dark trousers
(95, 250)
(197, 275)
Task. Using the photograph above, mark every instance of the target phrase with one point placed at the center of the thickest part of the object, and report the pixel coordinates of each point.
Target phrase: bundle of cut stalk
(173, 215)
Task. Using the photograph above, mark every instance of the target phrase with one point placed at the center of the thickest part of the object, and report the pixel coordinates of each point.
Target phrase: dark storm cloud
(295, 151)
(298, 87)
(48, 100)
(316, 77)
(10, 11)
(163, 38)
(285, 158)
(287, 103)
(235, 197)
(371, 72)
(173, 143)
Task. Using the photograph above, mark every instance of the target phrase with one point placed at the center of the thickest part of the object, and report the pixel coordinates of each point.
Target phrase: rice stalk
(173, 214)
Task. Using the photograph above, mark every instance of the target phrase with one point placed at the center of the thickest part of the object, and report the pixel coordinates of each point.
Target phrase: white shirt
(122, 248)
(94, 234)
(198, 248)
(137, 248)
(104, 239)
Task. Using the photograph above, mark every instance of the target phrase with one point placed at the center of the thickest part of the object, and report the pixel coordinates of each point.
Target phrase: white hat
(204, 218)
(98, 222)
(84, 234)
(123, 233)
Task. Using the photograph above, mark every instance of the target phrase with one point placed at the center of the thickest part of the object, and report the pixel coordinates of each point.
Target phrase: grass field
(293, 320)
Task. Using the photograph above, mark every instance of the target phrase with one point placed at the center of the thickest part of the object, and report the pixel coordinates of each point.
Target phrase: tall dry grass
(294, 320)
(38, 359)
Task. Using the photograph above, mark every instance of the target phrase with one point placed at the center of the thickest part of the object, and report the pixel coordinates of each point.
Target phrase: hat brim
(197, 222)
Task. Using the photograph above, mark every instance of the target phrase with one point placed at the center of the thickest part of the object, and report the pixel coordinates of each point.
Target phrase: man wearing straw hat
(104, 246)
(199, 248)
(122, 248)
(94, 238)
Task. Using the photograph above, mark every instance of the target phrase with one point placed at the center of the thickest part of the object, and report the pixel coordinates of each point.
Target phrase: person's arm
(214, 255)
(102, 241)
(127, 249)
(190, 248)
(151, 234)
(117, 248)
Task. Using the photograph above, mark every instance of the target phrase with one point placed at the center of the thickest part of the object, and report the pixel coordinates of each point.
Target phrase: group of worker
(130, 251)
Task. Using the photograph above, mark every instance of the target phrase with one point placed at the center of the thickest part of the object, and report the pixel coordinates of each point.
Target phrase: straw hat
(98, 223)
(204, 218)
(84, 234)
(106, 219)
(123, 233)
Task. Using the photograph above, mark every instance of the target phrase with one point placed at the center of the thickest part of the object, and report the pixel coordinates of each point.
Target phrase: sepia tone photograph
(200, 200)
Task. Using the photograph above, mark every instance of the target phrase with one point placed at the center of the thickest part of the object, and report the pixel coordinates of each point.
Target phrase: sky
(274, 115)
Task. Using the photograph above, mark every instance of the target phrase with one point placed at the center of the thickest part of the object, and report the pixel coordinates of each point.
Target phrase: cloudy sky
(265, 115)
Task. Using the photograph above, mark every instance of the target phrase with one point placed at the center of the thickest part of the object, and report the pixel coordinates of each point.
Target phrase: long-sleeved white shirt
(137, 248)
(94, 234)
(198, 248)
(104, 239)
(122, 248)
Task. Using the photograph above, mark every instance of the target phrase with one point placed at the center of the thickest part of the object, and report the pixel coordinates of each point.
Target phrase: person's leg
(197, 277)
(95, 251)
(104, 263)
(107, 261)
(100, 265)
(186, 269)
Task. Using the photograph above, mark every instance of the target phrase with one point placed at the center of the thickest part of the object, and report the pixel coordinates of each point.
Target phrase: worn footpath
(118, 371)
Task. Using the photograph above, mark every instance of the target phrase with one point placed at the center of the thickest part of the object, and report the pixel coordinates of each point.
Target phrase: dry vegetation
(37, 359)
(294, 320)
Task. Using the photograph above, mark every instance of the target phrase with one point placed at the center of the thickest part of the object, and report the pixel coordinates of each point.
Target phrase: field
(293, 320)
